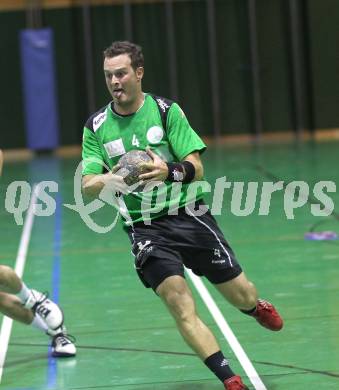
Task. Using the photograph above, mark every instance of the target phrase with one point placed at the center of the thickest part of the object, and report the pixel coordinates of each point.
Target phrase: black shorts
(162, 248)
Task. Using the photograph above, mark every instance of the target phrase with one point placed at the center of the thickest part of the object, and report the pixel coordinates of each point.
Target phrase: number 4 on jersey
(135, 141)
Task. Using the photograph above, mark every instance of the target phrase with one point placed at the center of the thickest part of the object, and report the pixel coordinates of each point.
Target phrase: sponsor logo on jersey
(177, 175)
(115, 148)
(142, 246)
(155, 134)
(143, 250)
(162, 104)
(224, 363)
(99, 120)
(217, 261)
(217, 252)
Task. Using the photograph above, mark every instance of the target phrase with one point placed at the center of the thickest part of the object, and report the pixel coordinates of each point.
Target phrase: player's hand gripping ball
(130, 164)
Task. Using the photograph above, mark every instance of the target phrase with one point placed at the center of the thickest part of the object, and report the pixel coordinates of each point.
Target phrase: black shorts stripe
(214, 234)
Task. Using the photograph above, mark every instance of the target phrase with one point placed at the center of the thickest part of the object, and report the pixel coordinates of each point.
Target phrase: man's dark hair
(124, 47)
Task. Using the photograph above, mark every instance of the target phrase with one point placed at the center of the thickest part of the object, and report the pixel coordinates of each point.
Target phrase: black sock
(249, 312)
(218, 364)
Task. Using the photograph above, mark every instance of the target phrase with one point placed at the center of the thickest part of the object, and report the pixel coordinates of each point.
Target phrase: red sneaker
(234, 383)
(267, 316)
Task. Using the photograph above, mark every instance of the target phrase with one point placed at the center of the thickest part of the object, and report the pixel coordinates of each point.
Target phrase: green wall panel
(234, 66)
(11, 103)
(193, 62)
(275, 76)
(70, 69)
(107, 26)
(324, 36)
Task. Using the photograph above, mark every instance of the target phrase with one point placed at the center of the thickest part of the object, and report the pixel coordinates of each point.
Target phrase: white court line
(227, 331)
(6, 327)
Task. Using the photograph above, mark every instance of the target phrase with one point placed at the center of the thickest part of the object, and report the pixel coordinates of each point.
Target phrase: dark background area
(319, 57)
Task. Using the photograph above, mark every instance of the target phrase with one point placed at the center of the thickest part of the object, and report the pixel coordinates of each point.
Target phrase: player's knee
(181, 305)
(5, 272)
(2, 299)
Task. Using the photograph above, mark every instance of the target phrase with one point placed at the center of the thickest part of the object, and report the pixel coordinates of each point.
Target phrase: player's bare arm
(92, 185)
(195, 159)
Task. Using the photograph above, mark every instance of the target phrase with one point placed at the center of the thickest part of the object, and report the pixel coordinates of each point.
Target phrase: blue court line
(52, 364)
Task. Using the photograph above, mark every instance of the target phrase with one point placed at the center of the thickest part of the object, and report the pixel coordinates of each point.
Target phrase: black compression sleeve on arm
(184, 172)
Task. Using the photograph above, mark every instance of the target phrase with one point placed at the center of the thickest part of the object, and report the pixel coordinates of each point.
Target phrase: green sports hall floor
(125, 338)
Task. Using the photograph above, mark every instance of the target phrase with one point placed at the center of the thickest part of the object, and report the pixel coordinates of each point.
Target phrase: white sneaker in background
(49, 311)
(63, 345)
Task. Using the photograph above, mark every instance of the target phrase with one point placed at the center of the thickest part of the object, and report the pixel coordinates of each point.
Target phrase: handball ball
(131, 164)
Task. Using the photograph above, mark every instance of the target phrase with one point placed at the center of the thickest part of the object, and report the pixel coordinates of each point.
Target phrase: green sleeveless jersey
(107, 136)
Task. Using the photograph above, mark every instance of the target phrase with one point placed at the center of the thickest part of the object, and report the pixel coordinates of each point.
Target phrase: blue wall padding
(40, 100)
